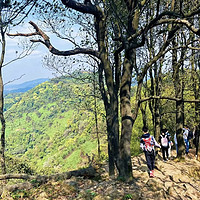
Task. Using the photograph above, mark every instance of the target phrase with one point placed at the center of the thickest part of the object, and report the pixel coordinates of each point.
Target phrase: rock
(159, 195)
(159, 165)
(143, 168)
(42, 196)
(176, 177)
(154, 184)
(185, 179)
(168, 184)
(171, 191)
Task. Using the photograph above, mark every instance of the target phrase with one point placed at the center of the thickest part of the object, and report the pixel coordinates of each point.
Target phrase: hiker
(176, 143)
(186, 140)
(164, 142)
(147, 143)
(169, 141)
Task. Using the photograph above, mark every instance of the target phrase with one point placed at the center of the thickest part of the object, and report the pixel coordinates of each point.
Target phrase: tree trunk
(113, 142)
(127, 121)
(112, 122)
(179, 104)
(195, 64)
(95, 115)
(158, 74)
(110, 97)
(179, 128)
(3, 124)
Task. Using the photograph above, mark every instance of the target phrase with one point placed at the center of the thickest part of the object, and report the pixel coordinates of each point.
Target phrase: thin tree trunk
(179, 104)
(95, 115)
(3, 124)
(197, 131)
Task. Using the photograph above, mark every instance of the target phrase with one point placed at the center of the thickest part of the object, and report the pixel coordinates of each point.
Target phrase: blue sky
(30, 66)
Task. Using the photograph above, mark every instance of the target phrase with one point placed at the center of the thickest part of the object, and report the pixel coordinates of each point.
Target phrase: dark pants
(150, 158)
(165, 152)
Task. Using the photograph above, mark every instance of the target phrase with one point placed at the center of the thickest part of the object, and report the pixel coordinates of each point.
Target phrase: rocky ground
(173, 180)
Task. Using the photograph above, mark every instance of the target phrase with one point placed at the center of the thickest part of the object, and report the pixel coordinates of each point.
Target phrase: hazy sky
(30, 66)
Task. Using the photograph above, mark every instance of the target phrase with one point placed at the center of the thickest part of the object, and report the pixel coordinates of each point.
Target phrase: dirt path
(173, 180)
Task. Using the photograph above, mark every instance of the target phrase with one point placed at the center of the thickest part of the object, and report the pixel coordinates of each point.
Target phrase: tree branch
(183, 22)
(168, 98)
(46, 41)
(87, 8)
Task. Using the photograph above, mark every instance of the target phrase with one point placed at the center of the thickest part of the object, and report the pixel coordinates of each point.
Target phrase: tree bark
(3, 124)
(179, 104)
(127, 121)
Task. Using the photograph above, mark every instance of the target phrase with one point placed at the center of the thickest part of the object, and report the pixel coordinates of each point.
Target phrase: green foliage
(19, 194)
(18, 165)
(52, 125)
(128, 196)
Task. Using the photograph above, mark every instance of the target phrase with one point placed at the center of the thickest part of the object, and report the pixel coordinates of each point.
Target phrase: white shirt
(185, 133)
(175, 139)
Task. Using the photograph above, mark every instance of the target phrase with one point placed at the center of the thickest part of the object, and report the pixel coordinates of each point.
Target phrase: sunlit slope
(52, 126)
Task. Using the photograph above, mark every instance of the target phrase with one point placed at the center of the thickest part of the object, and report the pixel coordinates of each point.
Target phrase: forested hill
(52, 128)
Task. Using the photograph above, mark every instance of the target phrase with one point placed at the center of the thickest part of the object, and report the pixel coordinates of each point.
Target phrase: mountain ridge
(23, 87)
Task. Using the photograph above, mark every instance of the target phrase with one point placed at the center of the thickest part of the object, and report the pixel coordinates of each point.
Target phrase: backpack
(148, 144)
(190, 135)
(164, 141)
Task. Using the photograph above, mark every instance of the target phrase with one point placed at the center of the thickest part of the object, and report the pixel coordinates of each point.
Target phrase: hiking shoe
(151, 174)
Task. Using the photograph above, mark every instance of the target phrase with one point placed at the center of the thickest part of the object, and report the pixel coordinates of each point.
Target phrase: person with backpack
(164, 142)
(147, 144)
(169, 141)
(186, 137)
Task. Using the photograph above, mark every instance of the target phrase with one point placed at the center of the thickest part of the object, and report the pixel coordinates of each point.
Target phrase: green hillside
(52, 126)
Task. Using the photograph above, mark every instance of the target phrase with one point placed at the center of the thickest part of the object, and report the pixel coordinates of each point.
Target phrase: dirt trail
(173, 181)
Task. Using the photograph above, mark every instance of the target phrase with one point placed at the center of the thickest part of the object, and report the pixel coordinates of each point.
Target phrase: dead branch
(32, 181)
(85, 172)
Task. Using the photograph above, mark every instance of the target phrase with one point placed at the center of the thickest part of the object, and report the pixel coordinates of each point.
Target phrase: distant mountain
(23, 87)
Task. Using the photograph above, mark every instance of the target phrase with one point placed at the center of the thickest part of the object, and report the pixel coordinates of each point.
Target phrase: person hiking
(147, 143)
(164, 142)
(186, 140)
(176, 143)
(169, 141)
